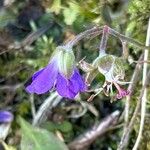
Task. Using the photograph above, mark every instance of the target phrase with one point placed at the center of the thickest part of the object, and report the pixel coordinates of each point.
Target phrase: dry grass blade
(125, 138)
(46, 106)
(28, 40)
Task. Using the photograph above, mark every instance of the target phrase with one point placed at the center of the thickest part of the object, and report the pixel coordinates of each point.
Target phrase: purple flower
(59, 73)
(5, 117)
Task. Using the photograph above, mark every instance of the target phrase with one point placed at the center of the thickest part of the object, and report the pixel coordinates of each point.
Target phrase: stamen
(94, 95)
(121, 92)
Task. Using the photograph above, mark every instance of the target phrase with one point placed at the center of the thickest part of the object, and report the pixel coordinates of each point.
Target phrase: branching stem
(104, 39)
(98, 30)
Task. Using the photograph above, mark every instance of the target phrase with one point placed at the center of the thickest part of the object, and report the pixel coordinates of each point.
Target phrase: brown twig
(11, 87)
(144, 97)
(125, 138)
(29, 39)
(131, 87)
(85, 139)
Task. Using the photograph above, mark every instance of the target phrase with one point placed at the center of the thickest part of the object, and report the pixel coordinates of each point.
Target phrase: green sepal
(90, 76)
(66, 61)
(104, 63)
(119, 67)
(110, 63)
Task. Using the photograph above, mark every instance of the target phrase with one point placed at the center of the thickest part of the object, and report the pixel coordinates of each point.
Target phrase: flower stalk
(104, 39)
(98, 30)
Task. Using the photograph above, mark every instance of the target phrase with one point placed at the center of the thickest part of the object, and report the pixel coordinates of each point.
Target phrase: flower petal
(37, 73)
(70, 87)
(64, 87)
(5, 117)
(77, 78)
(44, 79)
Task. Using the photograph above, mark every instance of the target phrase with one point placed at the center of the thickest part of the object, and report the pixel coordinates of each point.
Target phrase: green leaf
(56, 6)
(50, 126)
(34, 138)
(70, 13)
(131, 27)
(65, 126)
(5, 18)
(23, 108)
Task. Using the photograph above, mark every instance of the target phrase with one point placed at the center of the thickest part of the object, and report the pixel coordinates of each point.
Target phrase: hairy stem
(95, 31)
(83, 35)
(104, 39)
(128, 39)
(98, 30)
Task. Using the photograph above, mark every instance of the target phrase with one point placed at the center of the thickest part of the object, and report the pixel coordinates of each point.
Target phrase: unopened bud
(65, 60)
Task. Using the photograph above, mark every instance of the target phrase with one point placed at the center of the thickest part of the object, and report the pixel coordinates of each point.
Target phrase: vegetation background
(68, 119)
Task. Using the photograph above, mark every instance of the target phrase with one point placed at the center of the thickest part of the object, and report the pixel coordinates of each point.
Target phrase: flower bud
(65, 61)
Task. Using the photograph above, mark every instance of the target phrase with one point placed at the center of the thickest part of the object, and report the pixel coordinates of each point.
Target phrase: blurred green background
(69, 17)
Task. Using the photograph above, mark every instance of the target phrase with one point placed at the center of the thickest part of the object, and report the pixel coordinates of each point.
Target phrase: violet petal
(37, 73)
(30, 80)
(5, 116)
(76, 77)
(66, 88)
(44, 79)
(70, 87)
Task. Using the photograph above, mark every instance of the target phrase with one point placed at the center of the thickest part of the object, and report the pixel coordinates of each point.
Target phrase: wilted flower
(112, 68)
(122, 93)
(60, 73)
(5, 117)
